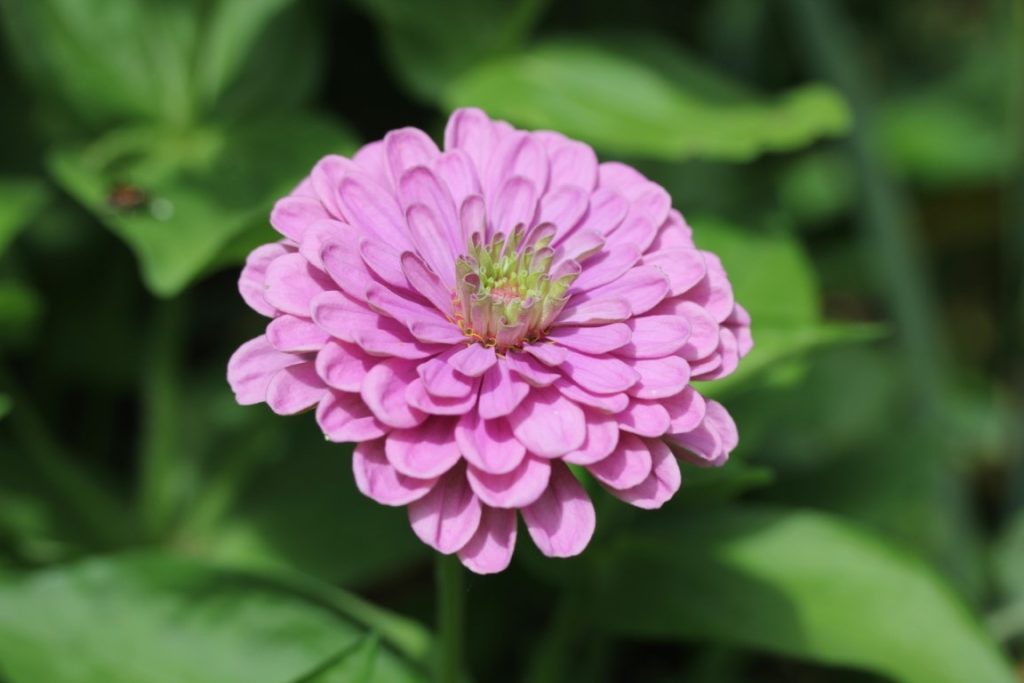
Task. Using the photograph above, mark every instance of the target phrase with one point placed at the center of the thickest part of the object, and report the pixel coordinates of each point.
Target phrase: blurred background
(859, 166)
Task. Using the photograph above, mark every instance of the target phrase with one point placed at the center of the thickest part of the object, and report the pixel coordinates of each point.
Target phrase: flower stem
(450, 623)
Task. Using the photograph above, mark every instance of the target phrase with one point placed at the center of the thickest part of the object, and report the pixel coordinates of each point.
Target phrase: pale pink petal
(606, 403)
(419, 398)
(253, 365)
(532, 371)
(516, 154)
(292, 282)
(596, 340)
(383, 391)
(642, 287)
(607, 210)
(442, 380)
(291, 216)
(645, 418)
(472, 219)
(340, 315)
(371, 159)
(627, 466)
(656, 336)
(448, 516)
(602, 437)
(501, 392)
(373, 210)
(294, 389)
(703, 445)
(660, 378)
(515, 204)
(686, 410)
(472, 131)
(547, 353)
(426, 282)
(488, 445)
(455, 169)
(408, 147)
(596, 312)
(473, 360)
(427, 451)
(490, 550)
(254, 274)
(432, 242)
(599, 374)
(660, 485)
(344, 418)
(561, 522)
(378, 480)
(518, 488)
(384, 261)
(325, 179)
(728, 350)
(343, 366)
(719, 419)
(683, 266)
(563, 207)
(572, 162)
(606, 266)
(289, 333)
(548, 424)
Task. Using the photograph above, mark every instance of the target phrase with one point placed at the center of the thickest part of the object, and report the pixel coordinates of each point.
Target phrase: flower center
(507, 292)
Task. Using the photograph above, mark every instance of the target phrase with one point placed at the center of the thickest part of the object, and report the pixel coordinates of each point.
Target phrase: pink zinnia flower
(478, 319)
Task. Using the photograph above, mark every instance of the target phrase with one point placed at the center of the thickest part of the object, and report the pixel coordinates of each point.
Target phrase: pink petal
(703, 445)
(490, 550)
(317, 236)
(373, 210)
(501, 392)
(595, 312)
(572, 162)
(515, 204)
(291, 283)
(425, 282)
(703, 337)
(472, 131)
(294, 389)
(326, 178)
(660, 485)
(372, 159)
(473, 360)
(645, 418)
(447, 517)
(685, 410)
(291, 216)
(253, 365)
(607, 209)
(517, 154)
(563, 207)
(606, 266)
(343, 366)
(720, 301)
(561, 522)
(607, 403)
(489, 445)
(289, 333)
(637, 231)
(254, 275)
(426, 451)
(386, 337)
(419, 398)
(472, 219)
(627, 466)
(719, 419)
(518, 488)
(602, 437)
(600, 374)
(684, 267)
(442, 380)
(532, 371)
(455, 169)
(656, 336)
(643, 287)
(596, 340)
(345, 265)
(548, 424)
(344, 418)
(432, 241)
(340, 315)
(728, 350)
(378, 480)
(408, 147)
(660, 377)
(549, 354)
(383, 391)
(384, 261)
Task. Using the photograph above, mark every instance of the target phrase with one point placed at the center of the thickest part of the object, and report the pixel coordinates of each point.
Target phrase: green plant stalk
(886, 217)
(161, 467)
(450, 619)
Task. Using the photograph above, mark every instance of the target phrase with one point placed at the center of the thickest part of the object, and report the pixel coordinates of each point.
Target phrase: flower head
(478, 319)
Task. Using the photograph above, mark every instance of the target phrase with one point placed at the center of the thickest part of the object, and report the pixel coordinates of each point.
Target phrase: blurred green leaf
(818, 187)
(5, 405)
(111, 61)
(774, 280)
(20, 200)
(430, 43)
(355, 665)
(153, 618)
(1009, 557)
(179, 198)
(588, 91)
(20, 309)
(802, 584)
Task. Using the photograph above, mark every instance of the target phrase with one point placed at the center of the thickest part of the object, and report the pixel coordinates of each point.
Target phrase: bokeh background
(858, 165)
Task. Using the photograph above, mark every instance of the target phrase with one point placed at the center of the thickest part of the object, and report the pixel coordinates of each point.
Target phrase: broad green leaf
(1009, 558)
(195, 191)
(818, 187)
(802, 584)
(429, 44)
(20, 308)
(107, 60)
(773, 279)
(156, 618)
(624, 106)
(20, 200)
(355, 665)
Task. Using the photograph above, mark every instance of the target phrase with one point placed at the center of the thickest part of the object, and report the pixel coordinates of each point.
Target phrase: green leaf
(802, 584)
(154, 618)
(430, 44)
(624, 106)
(20, 308)
(355, 665)
(1009, 558)
(20, 200)
(774, 280)
(5, 405)
(192, 193)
